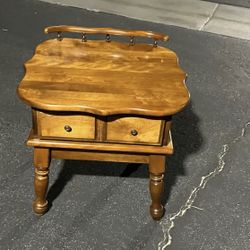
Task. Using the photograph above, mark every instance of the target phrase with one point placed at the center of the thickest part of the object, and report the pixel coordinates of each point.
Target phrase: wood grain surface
(104, 78)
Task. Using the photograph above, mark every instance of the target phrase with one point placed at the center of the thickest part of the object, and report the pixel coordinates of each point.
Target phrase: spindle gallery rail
(108, 32)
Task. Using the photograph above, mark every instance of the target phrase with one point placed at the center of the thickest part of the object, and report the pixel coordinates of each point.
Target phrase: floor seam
(209, 18)
(168, 223)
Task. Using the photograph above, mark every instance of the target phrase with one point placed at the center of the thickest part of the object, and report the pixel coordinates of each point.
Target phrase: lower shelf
(98, 156)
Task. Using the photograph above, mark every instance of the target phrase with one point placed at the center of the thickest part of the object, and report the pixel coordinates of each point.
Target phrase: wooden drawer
(65, 126)
(134, 130)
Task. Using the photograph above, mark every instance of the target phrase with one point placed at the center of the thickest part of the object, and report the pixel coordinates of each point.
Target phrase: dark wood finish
(101, 129)
(41, 163)
(167, 136)
(34, 121)
(156, 184)
(104, 101)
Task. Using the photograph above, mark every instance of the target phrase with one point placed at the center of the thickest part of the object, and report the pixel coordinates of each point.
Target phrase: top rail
(108, 31)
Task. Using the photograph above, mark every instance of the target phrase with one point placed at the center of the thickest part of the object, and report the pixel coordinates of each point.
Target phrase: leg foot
(40, 209)
(156, 190)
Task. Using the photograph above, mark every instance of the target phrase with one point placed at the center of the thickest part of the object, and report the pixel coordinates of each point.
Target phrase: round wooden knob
(67, 128)
(134, 132)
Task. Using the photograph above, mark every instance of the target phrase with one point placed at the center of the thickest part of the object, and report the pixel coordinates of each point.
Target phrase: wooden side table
(102, 100)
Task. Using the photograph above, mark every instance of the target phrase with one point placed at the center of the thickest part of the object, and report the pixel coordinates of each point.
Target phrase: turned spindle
(156, 185)
(41, 179)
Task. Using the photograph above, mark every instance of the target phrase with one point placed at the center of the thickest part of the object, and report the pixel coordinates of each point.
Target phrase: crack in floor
(168, 223)
(209, 18)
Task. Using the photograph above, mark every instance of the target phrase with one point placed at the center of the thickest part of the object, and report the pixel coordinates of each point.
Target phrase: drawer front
(134, 130)
(66, 126)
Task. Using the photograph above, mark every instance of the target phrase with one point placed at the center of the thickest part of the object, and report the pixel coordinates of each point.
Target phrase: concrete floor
(239, 3)
(207, 16)
(99, 205)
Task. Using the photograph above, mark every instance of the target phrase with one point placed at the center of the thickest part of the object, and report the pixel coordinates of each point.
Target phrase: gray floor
(105, 205)
(240, 3)
(201, 15)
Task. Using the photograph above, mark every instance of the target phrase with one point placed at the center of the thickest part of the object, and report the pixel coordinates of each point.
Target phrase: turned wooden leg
(156, 171)
(41, 163)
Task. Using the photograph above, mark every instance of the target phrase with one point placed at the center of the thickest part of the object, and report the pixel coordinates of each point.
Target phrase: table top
(104, 78)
